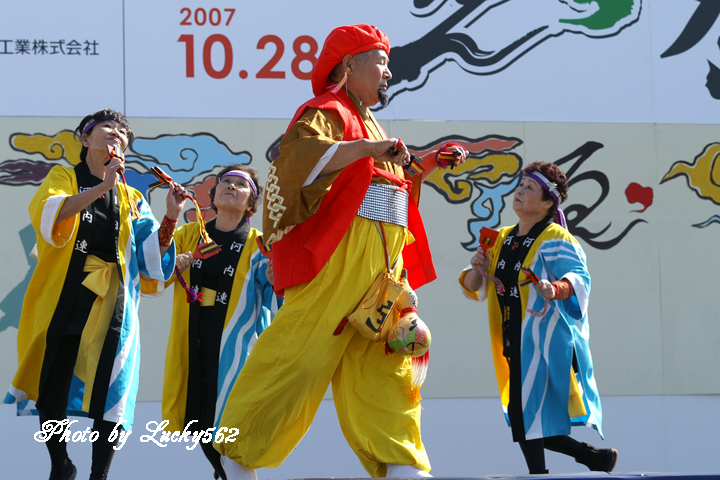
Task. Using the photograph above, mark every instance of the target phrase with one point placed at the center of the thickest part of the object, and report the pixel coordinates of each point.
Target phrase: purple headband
(551, 188)
(238, 173)
(95, 122)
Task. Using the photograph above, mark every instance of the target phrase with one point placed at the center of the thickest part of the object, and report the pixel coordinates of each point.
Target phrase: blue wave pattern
(182, 157)
(709, 221)
(488, 217)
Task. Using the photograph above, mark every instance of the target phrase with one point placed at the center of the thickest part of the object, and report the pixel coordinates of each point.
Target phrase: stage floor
(571, 476)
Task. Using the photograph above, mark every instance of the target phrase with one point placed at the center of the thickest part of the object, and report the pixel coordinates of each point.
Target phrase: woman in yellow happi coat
(78, 338)
(210, 339)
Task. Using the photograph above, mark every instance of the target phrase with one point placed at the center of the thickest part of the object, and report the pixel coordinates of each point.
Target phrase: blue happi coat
(554, 397)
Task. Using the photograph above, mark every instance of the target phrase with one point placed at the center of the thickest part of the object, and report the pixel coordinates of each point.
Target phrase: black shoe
(598, 459)
(69, 472)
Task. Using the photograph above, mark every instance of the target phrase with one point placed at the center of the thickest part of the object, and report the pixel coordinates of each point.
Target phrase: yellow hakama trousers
(280, 388)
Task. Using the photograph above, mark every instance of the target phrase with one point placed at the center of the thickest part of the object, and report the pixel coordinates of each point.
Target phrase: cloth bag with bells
(371, 315)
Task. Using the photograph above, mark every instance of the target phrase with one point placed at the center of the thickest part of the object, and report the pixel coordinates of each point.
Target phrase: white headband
(548, 185)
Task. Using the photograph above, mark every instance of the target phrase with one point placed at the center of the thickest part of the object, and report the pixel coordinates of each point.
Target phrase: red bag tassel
(341, 327)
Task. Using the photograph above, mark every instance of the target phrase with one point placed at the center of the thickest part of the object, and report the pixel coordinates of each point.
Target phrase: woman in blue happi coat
(538, 324)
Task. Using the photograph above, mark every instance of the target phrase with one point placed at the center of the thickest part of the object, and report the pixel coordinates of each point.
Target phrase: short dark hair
(553, 173)
(101, 116)
(255, 200)
(336, 74)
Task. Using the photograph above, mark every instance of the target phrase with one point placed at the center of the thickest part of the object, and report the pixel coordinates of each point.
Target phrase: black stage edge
(575, 476)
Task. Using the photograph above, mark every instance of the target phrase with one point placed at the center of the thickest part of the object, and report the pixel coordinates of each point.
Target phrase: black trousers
(202, 382)
(52, 405)
(533, 450)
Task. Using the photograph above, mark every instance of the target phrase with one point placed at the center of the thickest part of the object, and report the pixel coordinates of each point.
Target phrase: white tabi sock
(235, 471)
(405, 471)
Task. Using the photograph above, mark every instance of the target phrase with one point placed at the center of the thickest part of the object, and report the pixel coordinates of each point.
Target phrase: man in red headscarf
(337, 184)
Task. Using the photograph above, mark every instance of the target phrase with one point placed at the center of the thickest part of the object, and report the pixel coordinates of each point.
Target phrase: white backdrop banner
(627, 61)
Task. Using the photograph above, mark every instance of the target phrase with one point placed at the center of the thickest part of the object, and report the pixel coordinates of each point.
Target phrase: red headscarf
(347, 40)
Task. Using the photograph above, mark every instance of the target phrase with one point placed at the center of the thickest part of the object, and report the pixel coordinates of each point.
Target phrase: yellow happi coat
(138, 251)
(250, 306)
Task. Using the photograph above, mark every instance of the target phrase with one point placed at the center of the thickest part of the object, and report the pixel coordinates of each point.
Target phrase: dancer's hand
(183, 261)
(480, 261)
(545, 289)
(269, 273)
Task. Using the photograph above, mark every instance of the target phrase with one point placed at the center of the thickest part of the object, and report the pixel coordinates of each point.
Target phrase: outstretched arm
(175, 202)
(380, 150)
(430, 164)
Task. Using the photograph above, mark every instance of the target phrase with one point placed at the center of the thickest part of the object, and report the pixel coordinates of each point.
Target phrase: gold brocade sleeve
(305, 142)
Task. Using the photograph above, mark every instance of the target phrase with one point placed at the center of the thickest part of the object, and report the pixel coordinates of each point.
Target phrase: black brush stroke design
(413, 63)
(576, 213)
(697, 27)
